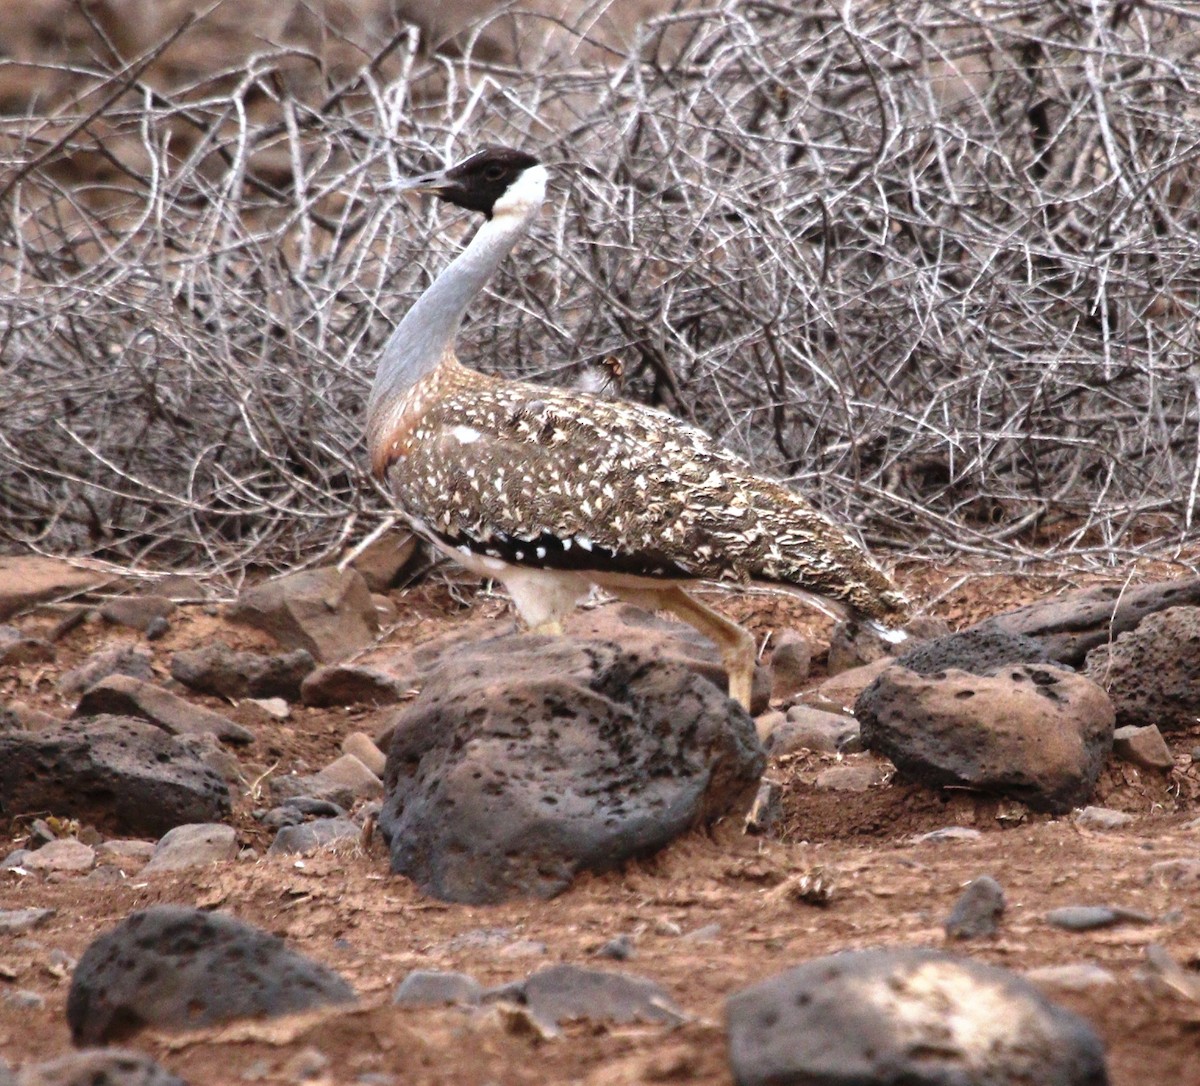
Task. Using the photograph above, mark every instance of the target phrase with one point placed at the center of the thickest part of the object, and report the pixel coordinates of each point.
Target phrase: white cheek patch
(528, 190)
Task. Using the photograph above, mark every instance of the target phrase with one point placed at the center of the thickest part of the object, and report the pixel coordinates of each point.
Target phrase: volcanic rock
(123, 695)
(328, 612)
(1073, 624)
(918, 1017)
(1152, 673)
(527, 759)
(26, 580)
(1034, 732)
(178, 968)
(121, 775)
(217, 669)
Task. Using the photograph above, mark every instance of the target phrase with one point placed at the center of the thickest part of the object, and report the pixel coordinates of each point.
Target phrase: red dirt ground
(707, 916)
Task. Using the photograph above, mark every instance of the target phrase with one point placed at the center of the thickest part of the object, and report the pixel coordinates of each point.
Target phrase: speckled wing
(553, 480)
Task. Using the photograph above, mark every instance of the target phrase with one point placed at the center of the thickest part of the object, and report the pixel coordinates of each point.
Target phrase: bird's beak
(428, 182)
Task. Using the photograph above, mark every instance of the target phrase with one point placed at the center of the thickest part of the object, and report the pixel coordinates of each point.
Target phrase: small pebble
(1075, 977)
(948, 833)
(1091, 917)
(1102, 818)
(977, 911)
(619, 949)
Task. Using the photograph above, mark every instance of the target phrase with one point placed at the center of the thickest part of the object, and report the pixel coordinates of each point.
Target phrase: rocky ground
(854, 855)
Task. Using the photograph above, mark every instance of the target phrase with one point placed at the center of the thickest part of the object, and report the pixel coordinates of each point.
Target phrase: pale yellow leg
(551, 626)
(735, 644)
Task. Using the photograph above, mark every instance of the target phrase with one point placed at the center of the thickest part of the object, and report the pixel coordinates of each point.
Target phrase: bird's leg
(736, 645)
(551, 626)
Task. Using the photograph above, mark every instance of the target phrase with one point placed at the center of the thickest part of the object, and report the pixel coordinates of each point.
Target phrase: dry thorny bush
(938, 263)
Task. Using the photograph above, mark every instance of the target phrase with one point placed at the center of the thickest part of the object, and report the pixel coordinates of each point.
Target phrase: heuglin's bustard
(551, 491)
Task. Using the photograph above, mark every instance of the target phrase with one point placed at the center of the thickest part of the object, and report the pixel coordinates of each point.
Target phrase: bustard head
(493, 181)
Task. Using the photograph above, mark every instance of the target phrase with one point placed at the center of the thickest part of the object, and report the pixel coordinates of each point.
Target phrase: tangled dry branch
(937, 263)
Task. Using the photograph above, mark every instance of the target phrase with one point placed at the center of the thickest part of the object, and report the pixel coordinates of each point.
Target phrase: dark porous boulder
(979, 651)
(121, 775)
(1036, 733)
(177, 968)
(911, 1017)
(1071, 625)
(328, 612)
(527, 759)
(219, 670)
(1152, 674)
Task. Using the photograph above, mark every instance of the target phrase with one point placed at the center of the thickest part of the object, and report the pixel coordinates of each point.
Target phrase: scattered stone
(361, 746)
(121, 660)
(354, 684)
(157, 628)
(16, 648)
(790, 665)
(382, 561)
(1102, 818)
(1165, 975)
(19, 715)
(620, 948)
(23, 921)
(24, 1000)
(40, 834)
(1175, 873)
(814, 729)
(99, 1067)
(342, 781)
(1077, 622)
(328, 612)
(434, 988)
(67, 855)
(309, 836)
(947, 833)
(524, 948)
(177, 968)
(295, 810)
(766, 723)
(766, 810)
(122, 695)
(137, 612)
(193, 846)
(838, 693)
(980, 650)
(1090, 917)
(125, 853)
(15, 859)
(117, 774)
(216, 669)
(977, 911)
(851, 778)
(1034, 732)
(1075, 977)
(564, 993)
(276, 708)
(920, 1017)
(30, 579)
(1143, 746)
(527, 759)
(1152, 673)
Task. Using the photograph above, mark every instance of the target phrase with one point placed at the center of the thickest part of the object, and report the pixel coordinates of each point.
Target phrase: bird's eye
(494, 173)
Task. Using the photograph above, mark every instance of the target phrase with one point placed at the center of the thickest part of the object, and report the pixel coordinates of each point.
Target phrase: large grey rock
(328, 612)
(98, 1067)
(137, 612)
(1071, 625)
(917, 1017)
(310, 836)
(1152, 674)
(121, 775)
(30, 579)
(123, 695)
(979, 651)
(528, 759)
(177, 968)
(1034, 732)
(217, 669)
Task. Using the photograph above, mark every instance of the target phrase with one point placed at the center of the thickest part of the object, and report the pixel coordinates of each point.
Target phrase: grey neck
(428, 330)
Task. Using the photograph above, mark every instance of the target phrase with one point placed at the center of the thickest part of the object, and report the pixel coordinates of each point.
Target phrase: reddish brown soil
(346, 910)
